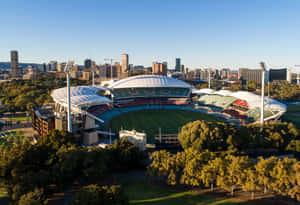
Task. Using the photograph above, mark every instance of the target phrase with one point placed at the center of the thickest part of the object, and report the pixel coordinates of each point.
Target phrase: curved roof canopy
(149, 81)
(252, 99)
(80, 96)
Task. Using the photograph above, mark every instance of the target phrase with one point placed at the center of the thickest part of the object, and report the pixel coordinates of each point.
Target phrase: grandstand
(152, 88)
(94, 106)
(240, 105)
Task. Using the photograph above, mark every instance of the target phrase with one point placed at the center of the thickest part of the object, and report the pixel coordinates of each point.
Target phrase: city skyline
(203, 34)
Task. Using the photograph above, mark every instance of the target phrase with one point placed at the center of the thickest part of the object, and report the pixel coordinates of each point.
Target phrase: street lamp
(263, 71)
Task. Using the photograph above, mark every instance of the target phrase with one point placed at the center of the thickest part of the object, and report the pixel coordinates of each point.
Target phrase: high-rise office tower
(125, 62)
(61, 67)
(87, 64)
(14, 64)
(52, 65)
(178, 63)
(159, 68)
(250, 75)
(182, 68)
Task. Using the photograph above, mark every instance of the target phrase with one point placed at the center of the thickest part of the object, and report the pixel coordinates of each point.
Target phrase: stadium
(153, 104)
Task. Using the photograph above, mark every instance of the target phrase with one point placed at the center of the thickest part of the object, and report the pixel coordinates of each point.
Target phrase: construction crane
(68, 67)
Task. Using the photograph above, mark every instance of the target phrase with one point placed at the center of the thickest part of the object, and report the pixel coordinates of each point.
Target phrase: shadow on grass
(141, 192)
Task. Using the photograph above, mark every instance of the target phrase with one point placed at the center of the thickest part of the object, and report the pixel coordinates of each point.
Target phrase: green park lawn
(22, 118)
(16, 133)
(141, 192)
(292, 115)
(149, 121)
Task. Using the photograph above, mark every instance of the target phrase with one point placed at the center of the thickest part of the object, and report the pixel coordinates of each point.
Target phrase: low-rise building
(43, 120)
(139, 139)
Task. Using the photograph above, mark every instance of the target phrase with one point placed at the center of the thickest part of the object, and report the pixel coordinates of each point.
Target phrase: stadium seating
(217, 100)
(255, 113)
(241, 103)
(150, 92)
(98, 109)
(235, 114)
(151, 102)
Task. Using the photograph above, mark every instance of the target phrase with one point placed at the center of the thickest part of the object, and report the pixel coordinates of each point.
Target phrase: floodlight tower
(68, 67)
(263, 72)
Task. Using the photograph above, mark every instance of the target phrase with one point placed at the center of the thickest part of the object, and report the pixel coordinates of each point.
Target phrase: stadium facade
(89, 104)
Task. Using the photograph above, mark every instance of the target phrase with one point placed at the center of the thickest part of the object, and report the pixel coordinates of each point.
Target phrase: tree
(233, 173)
(159, 167)
(251, 85)
(95, 163)
(202, 135)
(125, 155)
(211, 171)
(193, 166)
(32, 198)
(264, 170)
(94, 194)
(284, 176)
(251, 182)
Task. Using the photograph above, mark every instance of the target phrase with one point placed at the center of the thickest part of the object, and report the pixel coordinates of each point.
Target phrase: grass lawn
(19, 118)
(141, 192)
(292, 115)
(16, 133)
(170, 121)
(3, 197)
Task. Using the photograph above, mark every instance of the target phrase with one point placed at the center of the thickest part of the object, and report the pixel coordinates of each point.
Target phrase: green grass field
(19, 118)
(149, 121)
(140, 192)
(292, 115)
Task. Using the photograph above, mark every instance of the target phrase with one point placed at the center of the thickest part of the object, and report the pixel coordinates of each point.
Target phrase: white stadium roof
(252, 99)
(80, 96)
(144, 81)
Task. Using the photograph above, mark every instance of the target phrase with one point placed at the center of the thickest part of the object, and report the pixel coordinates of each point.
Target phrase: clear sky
(203, 33)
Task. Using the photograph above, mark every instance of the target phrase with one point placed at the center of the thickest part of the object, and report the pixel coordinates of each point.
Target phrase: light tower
(263, 71)
(69, 65)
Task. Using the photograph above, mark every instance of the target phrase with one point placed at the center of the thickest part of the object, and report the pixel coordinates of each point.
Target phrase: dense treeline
(217, 136)
(22, 95)
(214, 155)
(94, 194)
(28, 170)
(230, 172)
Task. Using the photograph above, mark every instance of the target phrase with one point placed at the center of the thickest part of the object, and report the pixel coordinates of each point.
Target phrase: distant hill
(6, 65)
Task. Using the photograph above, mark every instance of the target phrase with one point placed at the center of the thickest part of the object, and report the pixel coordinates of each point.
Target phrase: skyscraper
(178, 63)
(61, 67)
(14, 64)
(52, 65)
(250, 75)
(87, 64)
(125, 62)
(159, 68)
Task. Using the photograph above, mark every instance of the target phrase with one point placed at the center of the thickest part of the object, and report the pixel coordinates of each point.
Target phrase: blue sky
(204, 33)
